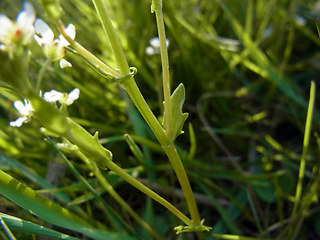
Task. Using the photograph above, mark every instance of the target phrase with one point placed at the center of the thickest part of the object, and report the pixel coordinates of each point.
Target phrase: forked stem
(133, 91)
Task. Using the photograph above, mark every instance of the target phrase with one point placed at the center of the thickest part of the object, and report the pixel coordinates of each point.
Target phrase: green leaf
(49, 211)
(89, 145)
(178, 118)
(265, 190)
(19, 224)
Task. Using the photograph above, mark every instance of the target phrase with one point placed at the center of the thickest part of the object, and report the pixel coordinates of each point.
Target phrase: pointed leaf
(178, 118)
(89, 145)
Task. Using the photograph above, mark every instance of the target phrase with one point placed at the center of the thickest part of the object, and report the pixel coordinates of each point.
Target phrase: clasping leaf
(178, 118)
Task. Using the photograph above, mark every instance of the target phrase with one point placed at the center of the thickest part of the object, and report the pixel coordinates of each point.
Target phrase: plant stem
(84, 52)
(133, 91)
(112, 36)
(41, 73)
(177, 165)
(128, 178)
(305, 147)
(165, 68)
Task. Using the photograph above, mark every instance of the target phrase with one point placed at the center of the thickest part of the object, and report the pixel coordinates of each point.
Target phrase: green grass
(251, 150)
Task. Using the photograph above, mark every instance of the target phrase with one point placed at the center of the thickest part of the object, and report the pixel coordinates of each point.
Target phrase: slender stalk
(305, 147)
(128, 178)
(134, 93)
(184, 182)
(307, 131)
(84, 52)
(41, 73)
(112, 36)
(165, 67)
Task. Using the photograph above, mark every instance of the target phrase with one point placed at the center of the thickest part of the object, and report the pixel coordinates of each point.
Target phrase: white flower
(53, 48)
(64, 63)
(17, 33)
(154, 47)
(25, 111)
(64, 98)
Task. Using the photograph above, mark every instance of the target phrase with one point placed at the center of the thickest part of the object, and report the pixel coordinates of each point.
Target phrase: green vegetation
(210, 135)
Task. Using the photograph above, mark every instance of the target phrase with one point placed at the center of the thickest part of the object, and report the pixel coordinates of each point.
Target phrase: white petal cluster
(19, 32)
(53, 48)
(63, 98)
(26, 110)
(154, 47)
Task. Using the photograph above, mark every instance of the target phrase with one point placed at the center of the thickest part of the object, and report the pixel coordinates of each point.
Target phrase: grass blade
(25, 226)
(49, 211)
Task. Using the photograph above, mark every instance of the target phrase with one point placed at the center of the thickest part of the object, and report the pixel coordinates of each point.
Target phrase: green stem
(41, 73)
(112, 36)
(184, 182)
(165, 67)
(84, 52)
(305, 147)
(135, 183)
(133, 91)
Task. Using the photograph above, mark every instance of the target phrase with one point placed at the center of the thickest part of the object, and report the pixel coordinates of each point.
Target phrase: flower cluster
(26, 110)
(18, 33)
(14, 34)
(53, 48)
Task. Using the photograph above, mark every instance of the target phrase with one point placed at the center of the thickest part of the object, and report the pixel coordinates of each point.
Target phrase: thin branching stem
(165, 68)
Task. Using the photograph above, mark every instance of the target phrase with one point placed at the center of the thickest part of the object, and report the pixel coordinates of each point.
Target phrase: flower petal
(21, 108)
(64, 63)
(44, 30)
(27, 16)
(73, 95)
(71, 31)
(150, 50)
(18, 122)
(5, 24)
(52, 96)
(155, 42)
(28, 106)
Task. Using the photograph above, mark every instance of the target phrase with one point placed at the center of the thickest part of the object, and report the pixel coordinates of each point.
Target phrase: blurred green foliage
(246, 67)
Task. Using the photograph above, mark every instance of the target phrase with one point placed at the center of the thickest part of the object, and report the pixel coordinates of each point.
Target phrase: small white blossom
(64, 63)
(64, 98)
(154, 47)
(18, 33)
(25, 111)
(53, 48)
